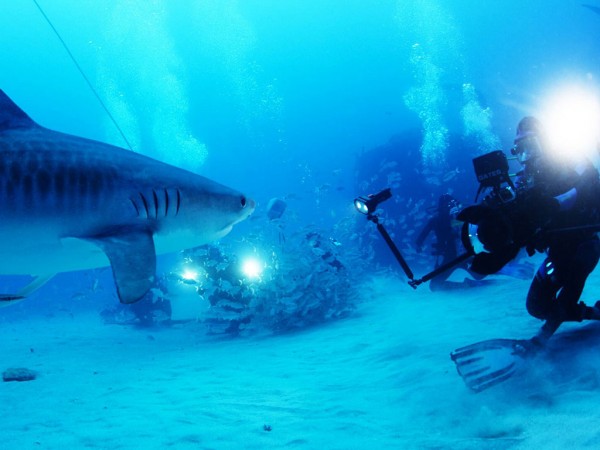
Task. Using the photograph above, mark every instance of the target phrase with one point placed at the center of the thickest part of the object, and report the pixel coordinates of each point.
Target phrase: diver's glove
(537, 243)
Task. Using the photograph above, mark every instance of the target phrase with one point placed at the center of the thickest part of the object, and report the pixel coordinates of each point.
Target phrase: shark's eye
(243, 201)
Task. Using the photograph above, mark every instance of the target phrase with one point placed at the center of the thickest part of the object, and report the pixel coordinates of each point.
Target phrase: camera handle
(411, 278)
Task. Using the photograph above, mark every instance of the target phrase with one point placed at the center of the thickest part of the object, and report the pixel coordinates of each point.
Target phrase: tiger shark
(69, 203)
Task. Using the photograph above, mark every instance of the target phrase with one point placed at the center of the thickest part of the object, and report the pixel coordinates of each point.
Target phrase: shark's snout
(248, 207)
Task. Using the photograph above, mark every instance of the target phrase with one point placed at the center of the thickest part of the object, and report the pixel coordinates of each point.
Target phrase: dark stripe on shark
(33, 180)
(15, 172)
(44, 184)
(27, 190)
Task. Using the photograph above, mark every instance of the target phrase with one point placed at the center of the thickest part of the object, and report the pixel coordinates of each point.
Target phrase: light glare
(252, 268)
(571, 118)
(189, 275)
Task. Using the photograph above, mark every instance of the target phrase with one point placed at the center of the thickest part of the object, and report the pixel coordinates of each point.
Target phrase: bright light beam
(252, 268)
(571, 118)
(189, 275)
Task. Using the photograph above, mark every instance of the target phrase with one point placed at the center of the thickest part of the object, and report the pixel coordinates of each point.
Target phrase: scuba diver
(555, 211)
(569, 205)
(443, 225)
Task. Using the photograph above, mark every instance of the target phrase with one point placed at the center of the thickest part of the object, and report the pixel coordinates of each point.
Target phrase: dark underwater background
(313, 103)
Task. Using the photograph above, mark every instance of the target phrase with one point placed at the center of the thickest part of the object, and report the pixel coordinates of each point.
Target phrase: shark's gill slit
(137, 210)
(155, 198)
(166, 202)
(178, 202)
(145, 205)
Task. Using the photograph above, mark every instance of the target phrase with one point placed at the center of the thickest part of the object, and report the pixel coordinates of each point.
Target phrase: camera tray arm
(411, 277)
(388, 240)
(441, 269)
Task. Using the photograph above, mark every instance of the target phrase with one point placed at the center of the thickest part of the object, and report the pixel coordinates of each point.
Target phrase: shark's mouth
(248, 210)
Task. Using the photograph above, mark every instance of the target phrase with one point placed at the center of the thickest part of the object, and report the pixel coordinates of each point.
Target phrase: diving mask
(527, 148)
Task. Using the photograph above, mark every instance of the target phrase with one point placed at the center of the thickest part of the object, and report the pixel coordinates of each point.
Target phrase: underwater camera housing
(492, 174)
(501, 224)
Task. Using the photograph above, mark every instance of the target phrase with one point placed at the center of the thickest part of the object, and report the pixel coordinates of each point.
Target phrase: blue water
(312, 102)
(311, 85)
(307, 102)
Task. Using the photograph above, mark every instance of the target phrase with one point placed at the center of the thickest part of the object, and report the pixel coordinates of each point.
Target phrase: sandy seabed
(380, 379)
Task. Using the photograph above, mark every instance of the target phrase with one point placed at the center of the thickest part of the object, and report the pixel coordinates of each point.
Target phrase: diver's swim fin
(488, 363)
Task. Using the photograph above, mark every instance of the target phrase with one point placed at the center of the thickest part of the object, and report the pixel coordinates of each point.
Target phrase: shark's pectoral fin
(133, 261)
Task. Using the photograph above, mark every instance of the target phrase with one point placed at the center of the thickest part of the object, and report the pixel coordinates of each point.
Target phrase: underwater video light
(368, 204)
(571, 114)
(252, 268)
(189, 275)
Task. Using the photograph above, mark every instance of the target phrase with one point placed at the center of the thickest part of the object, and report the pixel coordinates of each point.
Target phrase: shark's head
(231, 207)
(207, 211)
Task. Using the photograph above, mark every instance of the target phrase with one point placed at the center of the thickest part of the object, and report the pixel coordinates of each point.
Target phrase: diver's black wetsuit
(571, 255)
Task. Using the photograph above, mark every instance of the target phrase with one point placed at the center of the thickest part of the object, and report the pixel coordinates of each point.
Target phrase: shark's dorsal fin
(133, 260)
(11, 116)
